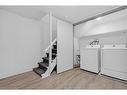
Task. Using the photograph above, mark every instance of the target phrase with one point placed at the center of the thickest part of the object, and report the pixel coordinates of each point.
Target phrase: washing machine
(90, 58)
(114, 61)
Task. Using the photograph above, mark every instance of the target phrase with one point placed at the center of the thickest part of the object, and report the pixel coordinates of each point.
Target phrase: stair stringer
(49, 70)
(52, 65)
(46, 74)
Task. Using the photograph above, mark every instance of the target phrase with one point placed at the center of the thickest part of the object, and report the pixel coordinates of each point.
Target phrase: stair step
(53, 54)
(46, 58)
(55, 46)
(43, 64)
(38, 71)
(54, 50)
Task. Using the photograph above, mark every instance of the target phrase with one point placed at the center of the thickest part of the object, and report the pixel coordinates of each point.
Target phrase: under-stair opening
(54, 71)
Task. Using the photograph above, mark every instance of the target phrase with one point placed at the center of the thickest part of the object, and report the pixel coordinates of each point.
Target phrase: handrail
(50, 45)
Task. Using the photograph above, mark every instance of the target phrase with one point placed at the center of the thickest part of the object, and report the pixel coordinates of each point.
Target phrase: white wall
(54, 28)
(64, 46)
(119, 37)
(110, 23)
(19, 44)
(45, 34)
(76, 49)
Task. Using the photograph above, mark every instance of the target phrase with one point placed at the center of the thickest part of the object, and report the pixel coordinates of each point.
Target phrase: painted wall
(45, 35)
(54, 28)
(76, 49)
(119, 37)
(64, 46)
(20, 43)
(110, 23)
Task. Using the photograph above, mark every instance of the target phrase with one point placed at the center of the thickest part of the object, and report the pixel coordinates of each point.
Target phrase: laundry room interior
(63, 47)
(100, 38)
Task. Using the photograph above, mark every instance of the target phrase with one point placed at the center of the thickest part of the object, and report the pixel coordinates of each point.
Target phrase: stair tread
(54, 49)
(45, 58)
(52, 53)
(38, 71)
(55, 46)
(48, 58)
(43, 64)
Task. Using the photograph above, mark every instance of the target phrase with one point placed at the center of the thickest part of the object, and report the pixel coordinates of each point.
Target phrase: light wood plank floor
(72, 79)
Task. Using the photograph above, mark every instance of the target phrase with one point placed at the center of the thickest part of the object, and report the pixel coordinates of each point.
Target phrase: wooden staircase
(45, 68)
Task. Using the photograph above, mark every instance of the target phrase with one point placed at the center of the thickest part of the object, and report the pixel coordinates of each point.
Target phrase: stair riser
(45, 61)
(54, 46)
(39, 71)
(47, 54)
(41, 67)
(41, 63)
(54, 51)
(36, 72)
(53, 56)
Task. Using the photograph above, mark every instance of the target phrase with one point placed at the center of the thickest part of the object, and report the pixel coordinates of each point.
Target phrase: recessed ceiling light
(99, 18)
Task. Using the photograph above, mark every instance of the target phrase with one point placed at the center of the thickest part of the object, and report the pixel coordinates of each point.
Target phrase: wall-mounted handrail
(50, 45)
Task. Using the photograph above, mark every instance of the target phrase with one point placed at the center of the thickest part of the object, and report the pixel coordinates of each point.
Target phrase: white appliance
(90, 58)
(114, 61)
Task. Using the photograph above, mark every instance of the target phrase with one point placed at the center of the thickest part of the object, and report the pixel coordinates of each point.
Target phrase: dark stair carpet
(43, 64)
(39, 71)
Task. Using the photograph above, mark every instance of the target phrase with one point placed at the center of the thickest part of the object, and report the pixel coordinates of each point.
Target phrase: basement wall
(119, 37)
(110, 23)
(21, 41)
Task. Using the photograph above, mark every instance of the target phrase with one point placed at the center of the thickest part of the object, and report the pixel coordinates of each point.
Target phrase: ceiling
(72, 14)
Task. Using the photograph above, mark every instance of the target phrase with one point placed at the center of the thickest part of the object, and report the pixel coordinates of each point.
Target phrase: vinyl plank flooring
(72, 79)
